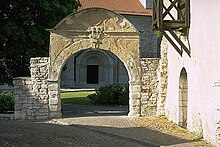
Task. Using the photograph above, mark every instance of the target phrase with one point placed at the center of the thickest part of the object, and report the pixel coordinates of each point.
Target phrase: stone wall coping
(7, 116)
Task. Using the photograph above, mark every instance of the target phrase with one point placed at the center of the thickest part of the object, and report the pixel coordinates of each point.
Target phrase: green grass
(78, 97)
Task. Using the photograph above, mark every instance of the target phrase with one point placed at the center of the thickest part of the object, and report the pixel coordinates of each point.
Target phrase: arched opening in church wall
(89, 30)
(93, 68)
(75, 79)
(183, 98)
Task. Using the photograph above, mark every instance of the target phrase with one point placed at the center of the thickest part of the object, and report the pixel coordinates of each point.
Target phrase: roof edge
(98, 8)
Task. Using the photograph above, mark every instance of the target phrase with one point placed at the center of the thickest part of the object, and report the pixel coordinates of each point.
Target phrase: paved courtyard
(92, 127)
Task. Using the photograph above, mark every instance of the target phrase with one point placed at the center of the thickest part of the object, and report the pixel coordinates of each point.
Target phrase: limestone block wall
(54, 99)
(149, 88)
(31, 93)
(38, 98)
(134, 101)
(23, 97)
(162, 74)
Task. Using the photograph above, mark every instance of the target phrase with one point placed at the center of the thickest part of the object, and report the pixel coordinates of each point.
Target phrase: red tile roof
(133, 7)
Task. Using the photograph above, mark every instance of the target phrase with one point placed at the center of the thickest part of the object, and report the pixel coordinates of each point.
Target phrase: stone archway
(183, 98)
(91, 29)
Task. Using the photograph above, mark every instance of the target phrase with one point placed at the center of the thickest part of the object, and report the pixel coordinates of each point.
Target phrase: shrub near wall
(113, 94)
(6, 102)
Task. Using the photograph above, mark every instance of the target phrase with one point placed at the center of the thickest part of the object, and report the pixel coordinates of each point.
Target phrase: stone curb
(7, 116)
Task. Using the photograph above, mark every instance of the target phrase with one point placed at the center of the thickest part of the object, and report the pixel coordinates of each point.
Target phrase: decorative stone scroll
(94, 24)
(96, 36)
(108, 20)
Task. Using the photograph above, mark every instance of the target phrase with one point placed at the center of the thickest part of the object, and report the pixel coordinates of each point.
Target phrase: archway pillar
(54, 99)
(135, 99)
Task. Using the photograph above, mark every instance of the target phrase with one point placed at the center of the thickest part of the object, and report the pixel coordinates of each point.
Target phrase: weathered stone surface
(30, 94)
(53, 86)
(54, 108)
(53, 101)
(56, 114)
(162, 74)
(20, 115)
(149, 92)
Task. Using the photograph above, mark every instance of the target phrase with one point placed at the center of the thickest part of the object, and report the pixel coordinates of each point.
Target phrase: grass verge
(76, 97)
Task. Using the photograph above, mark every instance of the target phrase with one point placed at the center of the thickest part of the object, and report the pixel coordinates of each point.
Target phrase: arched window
(183, 98)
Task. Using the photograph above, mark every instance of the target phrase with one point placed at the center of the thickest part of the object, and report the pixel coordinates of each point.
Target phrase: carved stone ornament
(96, 35)
(82, 20)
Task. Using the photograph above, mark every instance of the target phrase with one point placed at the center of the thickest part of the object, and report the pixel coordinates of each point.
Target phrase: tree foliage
(23, 34)
(6, 102)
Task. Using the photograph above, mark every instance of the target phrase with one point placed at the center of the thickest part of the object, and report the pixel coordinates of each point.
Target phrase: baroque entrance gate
(38, 96)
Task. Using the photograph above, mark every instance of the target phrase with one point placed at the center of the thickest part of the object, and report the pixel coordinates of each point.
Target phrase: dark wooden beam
(183, 46)
(169, 8)
(168, 27)
(169, 13)
(174, 24)
(172, 42)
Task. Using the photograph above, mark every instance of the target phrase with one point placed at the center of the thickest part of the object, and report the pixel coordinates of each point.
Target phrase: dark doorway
(92, 74)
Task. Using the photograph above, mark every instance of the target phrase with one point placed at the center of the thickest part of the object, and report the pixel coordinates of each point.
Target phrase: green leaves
(113, 94)
(23, 32)
(6, 102)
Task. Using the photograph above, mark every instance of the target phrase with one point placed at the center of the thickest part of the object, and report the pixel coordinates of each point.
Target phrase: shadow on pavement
(74, 110)
(85, 126)
(26, 133)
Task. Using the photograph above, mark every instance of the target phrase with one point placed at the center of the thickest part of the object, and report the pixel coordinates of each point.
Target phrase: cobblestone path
(85, 131)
